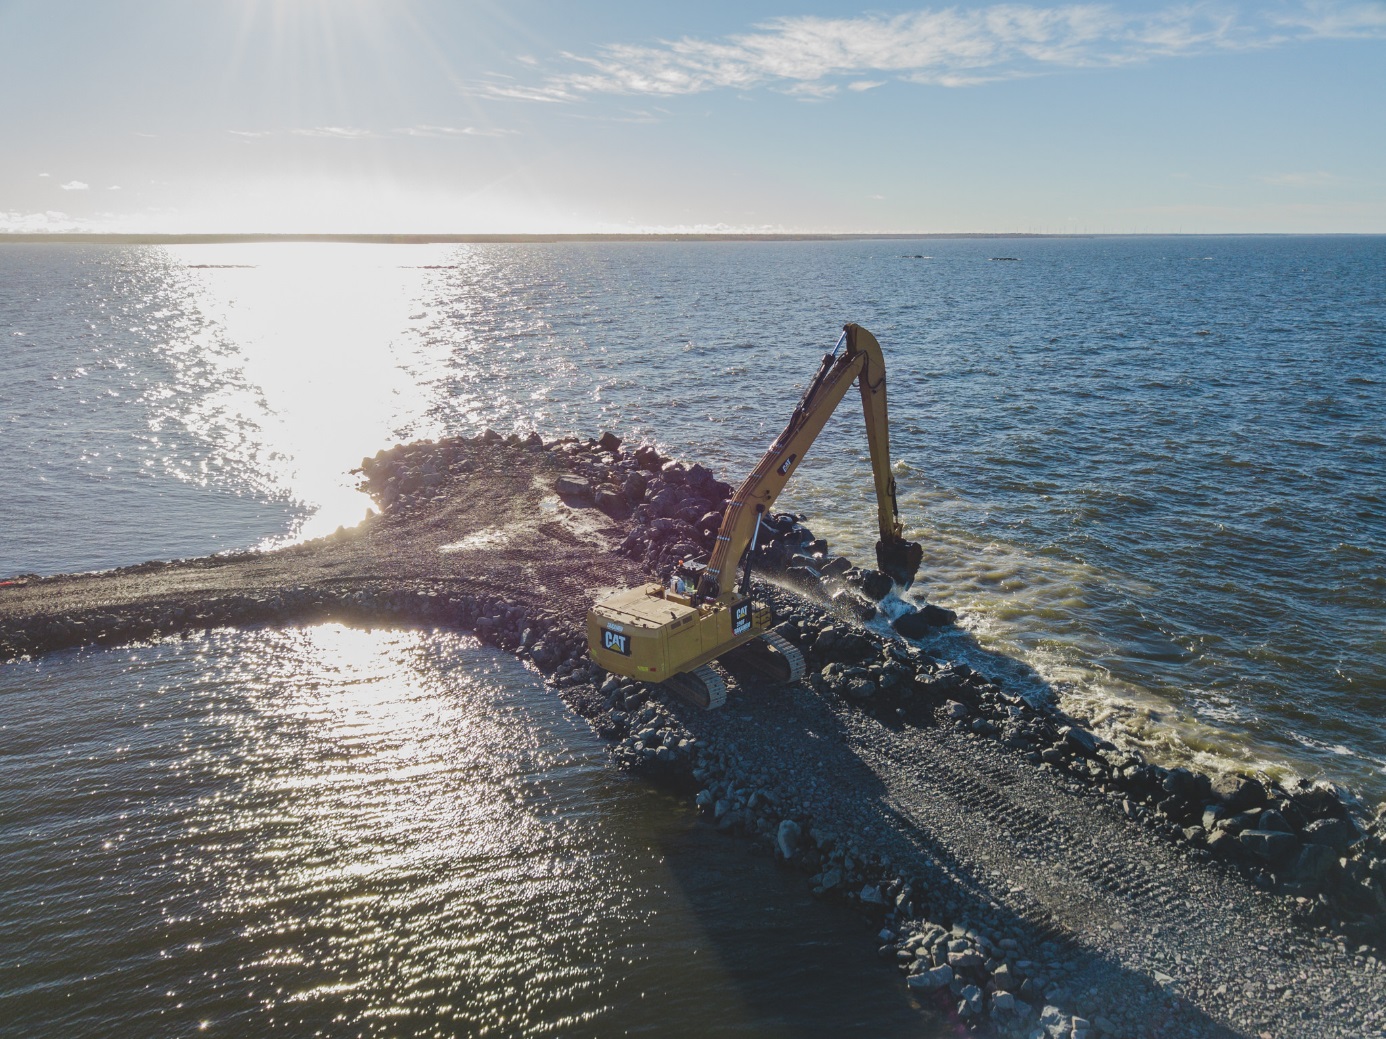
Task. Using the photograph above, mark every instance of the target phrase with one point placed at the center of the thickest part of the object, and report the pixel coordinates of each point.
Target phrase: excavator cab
(671, 634)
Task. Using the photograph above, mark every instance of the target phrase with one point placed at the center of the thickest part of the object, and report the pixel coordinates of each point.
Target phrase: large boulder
(1270, 846)
(612, 501)
(573, 487)
(1338, 834)
(872, 583)
(1316, 863)
(1238, 793)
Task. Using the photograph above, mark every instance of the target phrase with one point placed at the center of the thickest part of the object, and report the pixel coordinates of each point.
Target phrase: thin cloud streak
(354, 133)
(75, 185)
(803, 56)
(451, 131)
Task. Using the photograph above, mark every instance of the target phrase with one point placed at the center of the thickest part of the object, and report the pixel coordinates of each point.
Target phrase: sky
(785, 116)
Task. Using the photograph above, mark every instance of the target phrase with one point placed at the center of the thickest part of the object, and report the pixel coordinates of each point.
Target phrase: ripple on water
(332, 830)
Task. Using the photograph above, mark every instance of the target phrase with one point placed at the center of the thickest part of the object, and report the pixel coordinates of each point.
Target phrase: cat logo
(616, 642)
(741, 617)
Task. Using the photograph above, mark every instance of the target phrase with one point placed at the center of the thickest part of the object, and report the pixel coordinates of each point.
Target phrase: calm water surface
(336, 832)
(1148, 473)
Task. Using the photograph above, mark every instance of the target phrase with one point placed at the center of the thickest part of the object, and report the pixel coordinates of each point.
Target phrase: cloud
(356, 133)
(808, 55)
(75, 185)
(114, 187)
(426, 130)
(45, 174)
(1316, 179)
(1337, 21)
(346, 133)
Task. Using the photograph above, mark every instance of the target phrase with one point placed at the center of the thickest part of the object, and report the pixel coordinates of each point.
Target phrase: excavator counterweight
(660, 634)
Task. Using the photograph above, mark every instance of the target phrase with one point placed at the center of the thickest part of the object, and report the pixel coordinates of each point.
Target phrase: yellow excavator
(670, 634)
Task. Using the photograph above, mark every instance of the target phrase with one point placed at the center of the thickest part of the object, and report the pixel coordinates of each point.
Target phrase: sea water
(1147, 473)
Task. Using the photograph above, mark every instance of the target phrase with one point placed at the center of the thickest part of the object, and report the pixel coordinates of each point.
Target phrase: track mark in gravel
(1049, 854)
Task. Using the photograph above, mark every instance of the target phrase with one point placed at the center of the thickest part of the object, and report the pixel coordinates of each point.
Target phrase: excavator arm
(857, 357)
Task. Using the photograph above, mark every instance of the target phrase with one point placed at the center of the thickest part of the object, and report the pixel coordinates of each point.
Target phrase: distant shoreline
(485, 239)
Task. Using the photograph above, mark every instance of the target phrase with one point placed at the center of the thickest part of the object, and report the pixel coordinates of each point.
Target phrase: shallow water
(331, 831)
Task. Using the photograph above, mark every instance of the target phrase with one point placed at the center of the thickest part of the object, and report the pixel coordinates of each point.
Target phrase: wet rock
(1080, 740)
(871, 583)
(835, 567)
(848, 603)
(609, 442)
(913, 625)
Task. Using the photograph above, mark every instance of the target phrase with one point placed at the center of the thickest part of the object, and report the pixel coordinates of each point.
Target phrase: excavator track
(702, 687)
(770, 655)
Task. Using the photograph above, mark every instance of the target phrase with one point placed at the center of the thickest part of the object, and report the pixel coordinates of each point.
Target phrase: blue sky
(538, 115)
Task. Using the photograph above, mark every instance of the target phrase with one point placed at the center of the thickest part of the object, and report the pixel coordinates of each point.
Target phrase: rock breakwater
(992, 842)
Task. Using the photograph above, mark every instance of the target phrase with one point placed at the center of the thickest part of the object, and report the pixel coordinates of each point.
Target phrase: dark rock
(919, 622)
(1081, 740)
(852, 647)
(1273, 820)
(931, 980)
(634, 487)
(609, 442)
(1191, 786)
(849, 604)
(1238, 793)
(667, 502)
(836, 566)
(857, 687)
(872, 583)
(1269, 845)
(937, 616)
(1316, 863)
(1338, 834)
(967, 960)
(787, 838)
(612, 501)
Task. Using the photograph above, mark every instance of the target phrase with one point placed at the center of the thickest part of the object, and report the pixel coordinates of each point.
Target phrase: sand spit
(1025, 877)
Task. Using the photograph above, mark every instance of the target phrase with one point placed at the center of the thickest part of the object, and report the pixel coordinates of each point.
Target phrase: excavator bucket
(899, 560)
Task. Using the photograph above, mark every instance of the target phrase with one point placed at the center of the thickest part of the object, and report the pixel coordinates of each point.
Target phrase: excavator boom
(662, 635)
(857, 357)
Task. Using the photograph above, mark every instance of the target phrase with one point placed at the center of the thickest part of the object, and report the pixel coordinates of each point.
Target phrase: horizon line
(219, 238)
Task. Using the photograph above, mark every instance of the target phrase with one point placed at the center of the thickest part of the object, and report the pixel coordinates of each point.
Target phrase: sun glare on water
(317, 362)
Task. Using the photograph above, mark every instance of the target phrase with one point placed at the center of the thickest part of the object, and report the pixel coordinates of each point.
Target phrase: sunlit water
(1148, 473)
(335, 832)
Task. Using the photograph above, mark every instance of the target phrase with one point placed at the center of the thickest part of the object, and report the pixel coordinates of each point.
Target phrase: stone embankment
(1025, 876)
